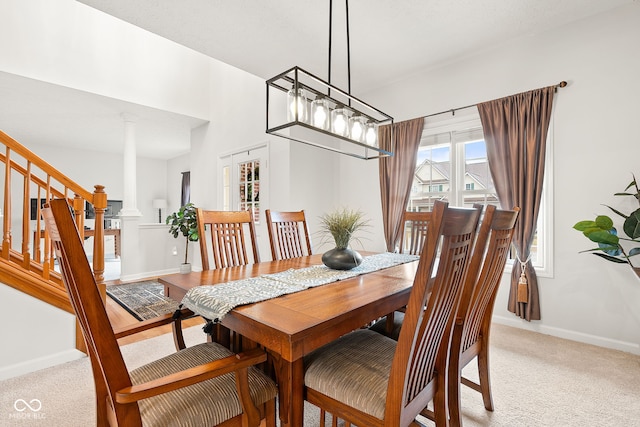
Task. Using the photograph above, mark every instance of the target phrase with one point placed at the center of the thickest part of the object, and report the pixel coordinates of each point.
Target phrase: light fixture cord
(330, 33)
(346, 2)
(348, 47)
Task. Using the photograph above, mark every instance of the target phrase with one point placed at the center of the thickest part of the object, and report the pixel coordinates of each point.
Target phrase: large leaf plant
(603, 232)
(184, 222)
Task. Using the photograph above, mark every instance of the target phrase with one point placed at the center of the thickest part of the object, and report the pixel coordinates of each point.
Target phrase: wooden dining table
(293, 325)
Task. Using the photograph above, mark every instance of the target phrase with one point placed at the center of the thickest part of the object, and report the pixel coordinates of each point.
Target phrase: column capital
(129, 117)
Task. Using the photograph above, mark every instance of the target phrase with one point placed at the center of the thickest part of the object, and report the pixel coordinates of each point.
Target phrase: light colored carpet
(537, 380)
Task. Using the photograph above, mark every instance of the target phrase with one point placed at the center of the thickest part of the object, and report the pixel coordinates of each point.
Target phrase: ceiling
(390, 40)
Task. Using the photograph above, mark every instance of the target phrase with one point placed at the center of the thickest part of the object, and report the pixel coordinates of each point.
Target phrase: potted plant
(610, 244)
(184, 222)
(342, 225)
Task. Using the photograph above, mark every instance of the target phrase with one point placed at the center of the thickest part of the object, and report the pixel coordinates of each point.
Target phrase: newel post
(99, 206)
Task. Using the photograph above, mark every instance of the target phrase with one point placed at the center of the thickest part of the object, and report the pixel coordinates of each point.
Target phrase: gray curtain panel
(186, 188)
(515, 131)
(396, 174)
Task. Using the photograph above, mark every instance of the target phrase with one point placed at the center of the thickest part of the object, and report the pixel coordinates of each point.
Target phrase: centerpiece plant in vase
(184, 222)
(612, 246)
(342, 225)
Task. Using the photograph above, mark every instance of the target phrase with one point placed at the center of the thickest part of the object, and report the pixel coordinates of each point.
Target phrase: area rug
(144, 300)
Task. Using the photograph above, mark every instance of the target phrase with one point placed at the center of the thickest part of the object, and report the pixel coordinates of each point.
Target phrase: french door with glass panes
(245, 181)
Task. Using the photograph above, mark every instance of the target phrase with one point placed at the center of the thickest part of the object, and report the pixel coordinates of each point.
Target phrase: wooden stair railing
(26, 256)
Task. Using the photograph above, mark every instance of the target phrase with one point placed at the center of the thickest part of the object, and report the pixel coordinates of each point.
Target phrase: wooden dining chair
(414, 233)
(223, 237)
(368, 379)
(473, 322)
(288, 234)
(227, 237)
(415, 227)
(205, 384)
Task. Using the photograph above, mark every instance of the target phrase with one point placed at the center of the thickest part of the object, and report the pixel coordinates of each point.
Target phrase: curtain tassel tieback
(523, 289)
(523, 286)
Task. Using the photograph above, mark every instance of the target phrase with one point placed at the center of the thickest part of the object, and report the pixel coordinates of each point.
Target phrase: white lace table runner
(215, 301)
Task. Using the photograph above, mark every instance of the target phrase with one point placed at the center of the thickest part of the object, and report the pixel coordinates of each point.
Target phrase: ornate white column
(129, 203)
(129, 215)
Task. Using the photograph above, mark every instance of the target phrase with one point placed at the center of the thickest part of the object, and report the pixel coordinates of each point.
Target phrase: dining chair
(414, 233)
(228, 238)
(415, 227)
(473, 323)
(368, 379)
(205, 384)
(223, 243)
(286, 233)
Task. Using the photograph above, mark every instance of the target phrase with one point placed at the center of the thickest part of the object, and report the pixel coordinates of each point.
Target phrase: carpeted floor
(144, 300)
(538, 381)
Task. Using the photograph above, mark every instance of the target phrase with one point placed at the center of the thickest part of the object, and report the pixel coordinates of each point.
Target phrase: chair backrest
(418, 371)
(415, 225)
(479, 293)
(109, 370)
(228, 238)
(286, 232)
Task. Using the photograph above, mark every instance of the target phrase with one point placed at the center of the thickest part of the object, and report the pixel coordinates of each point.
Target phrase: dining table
(293, 325)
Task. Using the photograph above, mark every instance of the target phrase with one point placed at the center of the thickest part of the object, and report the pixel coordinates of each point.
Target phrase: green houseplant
(184, 223)
(611, 246)
(342, 225)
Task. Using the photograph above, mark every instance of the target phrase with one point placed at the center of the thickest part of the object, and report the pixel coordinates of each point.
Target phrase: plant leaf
(612, 259)
(632, 225)
(604, 222)
(617, 211)
(583, 225)
(603, 237)
(634, 251)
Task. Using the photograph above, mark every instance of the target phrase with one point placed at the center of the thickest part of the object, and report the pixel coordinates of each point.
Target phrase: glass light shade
(297, 105)
(340, 121)
(371, 134)
(357, 128)
(320, 113)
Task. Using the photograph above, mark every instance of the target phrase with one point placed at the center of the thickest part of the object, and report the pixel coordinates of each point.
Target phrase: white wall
(595, 150)
(35, 335)
(70, 44)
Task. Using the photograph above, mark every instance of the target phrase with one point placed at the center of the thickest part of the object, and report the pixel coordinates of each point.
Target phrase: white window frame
(470, 118)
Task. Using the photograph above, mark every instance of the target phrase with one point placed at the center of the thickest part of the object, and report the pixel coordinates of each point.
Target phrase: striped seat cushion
(203, 404)
(354, 370)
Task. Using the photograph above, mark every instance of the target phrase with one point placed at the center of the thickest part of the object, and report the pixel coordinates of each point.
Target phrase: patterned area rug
(144, 300)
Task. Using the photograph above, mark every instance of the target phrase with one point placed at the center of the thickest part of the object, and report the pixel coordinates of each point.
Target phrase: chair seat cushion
(354, 370)
(203, 404)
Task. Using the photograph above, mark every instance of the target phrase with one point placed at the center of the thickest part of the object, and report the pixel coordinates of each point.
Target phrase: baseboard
(628, 347)
(29, 366)
(147, 274)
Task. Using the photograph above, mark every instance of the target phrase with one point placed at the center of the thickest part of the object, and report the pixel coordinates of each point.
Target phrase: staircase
(26, 256)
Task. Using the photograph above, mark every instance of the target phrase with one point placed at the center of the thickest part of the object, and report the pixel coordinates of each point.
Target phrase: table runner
(215, 301)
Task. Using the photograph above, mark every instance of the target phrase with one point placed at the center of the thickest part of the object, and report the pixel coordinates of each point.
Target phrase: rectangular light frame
(297, 78)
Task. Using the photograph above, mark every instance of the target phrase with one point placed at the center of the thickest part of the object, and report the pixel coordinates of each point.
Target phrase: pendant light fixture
(304, 108)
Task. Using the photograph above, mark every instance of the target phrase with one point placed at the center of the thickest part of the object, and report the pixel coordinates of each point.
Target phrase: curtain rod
(453, 110)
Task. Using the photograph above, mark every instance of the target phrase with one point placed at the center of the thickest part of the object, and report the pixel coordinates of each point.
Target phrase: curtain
(515, 131)
(186, 188)
(396, 174)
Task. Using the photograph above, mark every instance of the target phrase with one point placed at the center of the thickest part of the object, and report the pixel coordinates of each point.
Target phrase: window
(452, 166)
(242, 185)
(249, 187)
